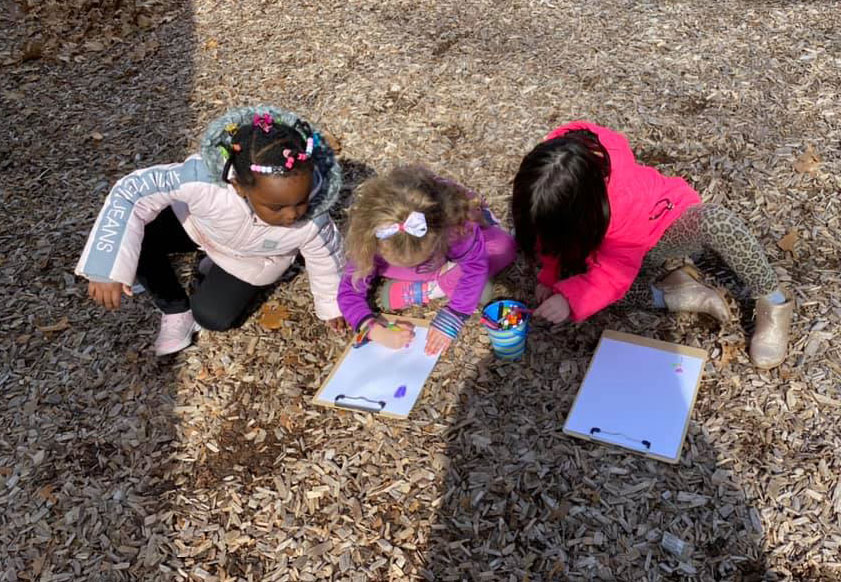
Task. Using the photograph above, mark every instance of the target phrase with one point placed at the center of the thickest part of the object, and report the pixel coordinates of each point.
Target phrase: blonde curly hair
(390, 199)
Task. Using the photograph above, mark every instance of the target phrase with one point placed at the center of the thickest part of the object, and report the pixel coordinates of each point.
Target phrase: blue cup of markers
(508, 340)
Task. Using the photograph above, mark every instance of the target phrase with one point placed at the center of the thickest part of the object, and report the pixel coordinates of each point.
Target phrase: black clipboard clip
(362, 404)
(596, 430)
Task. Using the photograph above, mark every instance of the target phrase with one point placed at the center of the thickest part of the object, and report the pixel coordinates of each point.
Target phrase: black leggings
(221, 300)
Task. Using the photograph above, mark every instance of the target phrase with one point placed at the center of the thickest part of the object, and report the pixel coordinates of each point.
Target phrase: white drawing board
(373, 378)
(638, 393)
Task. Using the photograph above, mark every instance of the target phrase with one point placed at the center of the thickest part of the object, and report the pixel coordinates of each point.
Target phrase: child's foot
(176, 332)
(396, 295)
(769, 344)
(682, 292)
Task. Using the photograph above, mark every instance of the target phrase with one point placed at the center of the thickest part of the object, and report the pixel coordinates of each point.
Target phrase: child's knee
(715, 214)
(501, 249)
(211, 317)
(719, 226)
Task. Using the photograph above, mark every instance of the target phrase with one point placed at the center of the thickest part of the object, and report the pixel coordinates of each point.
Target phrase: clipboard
(373, 378)
(638, 394)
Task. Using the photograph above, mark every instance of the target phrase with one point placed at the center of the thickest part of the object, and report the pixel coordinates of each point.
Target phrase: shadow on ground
(523, 501)
(91, 91)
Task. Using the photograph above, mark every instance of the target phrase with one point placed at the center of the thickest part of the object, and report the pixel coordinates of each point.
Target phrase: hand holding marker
(394, 335)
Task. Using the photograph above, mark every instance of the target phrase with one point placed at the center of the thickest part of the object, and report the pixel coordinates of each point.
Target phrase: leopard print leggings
(706, 226)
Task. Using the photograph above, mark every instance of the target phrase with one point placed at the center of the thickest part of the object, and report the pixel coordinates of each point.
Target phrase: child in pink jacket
(258, 195)
(602, 226)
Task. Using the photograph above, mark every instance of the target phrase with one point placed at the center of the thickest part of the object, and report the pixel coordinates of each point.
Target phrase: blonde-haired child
(429, 238)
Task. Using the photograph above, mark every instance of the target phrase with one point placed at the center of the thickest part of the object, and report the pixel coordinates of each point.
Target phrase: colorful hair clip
(266, 169)
(264, 122)
(232, 128)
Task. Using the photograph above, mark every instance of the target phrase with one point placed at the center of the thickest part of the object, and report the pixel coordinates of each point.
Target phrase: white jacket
(223, 225)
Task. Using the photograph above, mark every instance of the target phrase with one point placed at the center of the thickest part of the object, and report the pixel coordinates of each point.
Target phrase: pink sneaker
(176, 332)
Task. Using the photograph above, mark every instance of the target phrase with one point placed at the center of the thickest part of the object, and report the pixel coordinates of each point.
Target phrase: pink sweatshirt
(643, 204)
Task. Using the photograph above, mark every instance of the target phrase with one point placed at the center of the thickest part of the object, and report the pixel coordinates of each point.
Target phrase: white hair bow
(415, 225)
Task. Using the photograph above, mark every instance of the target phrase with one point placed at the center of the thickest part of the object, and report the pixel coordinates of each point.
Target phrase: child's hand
(107, 294)
(436, 342)
(397, 336)
(555, 309)
(337, 324)
(542, 293)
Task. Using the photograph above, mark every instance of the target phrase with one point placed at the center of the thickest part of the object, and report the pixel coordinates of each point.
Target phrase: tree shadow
(523, 501)
(92, 90)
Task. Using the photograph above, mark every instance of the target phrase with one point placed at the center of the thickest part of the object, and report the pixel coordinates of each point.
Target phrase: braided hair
(279, 147)
(269, 136)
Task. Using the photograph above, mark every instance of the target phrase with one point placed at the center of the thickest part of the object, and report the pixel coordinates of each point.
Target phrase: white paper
(371, 377)
(635, 393)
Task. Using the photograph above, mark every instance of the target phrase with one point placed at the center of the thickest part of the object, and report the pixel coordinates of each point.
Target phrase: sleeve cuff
(360, 338)
(449, 322)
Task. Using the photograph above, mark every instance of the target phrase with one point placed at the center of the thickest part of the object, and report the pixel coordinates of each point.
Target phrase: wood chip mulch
(212, 465)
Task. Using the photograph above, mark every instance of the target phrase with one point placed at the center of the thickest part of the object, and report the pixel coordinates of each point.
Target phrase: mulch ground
(213, 465)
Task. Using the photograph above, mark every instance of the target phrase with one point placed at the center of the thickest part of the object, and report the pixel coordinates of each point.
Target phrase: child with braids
(602, 226)
(429, 238)
(258, 195)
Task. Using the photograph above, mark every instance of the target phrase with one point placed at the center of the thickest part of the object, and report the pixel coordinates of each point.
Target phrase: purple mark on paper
(401, 392)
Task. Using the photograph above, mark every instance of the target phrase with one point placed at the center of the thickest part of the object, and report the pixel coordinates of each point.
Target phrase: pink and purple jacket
(467, 251)
(643, 204)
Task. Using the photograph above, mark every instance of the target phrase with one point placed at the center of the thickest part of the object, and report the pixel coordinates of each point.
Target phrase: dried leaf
(286, 421)
(61, 325)
(32, 51)
(808, 162)
(273, 314)
(211, 44)
(331, 139)
(727, 351)
(788, 241)
(38, 564)
(94, 46)
(13, 95)
(46, 493)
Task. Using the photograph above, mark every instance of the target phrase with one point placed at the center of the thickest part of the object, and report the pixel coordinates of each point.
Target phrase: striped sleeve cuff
(449, 322)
